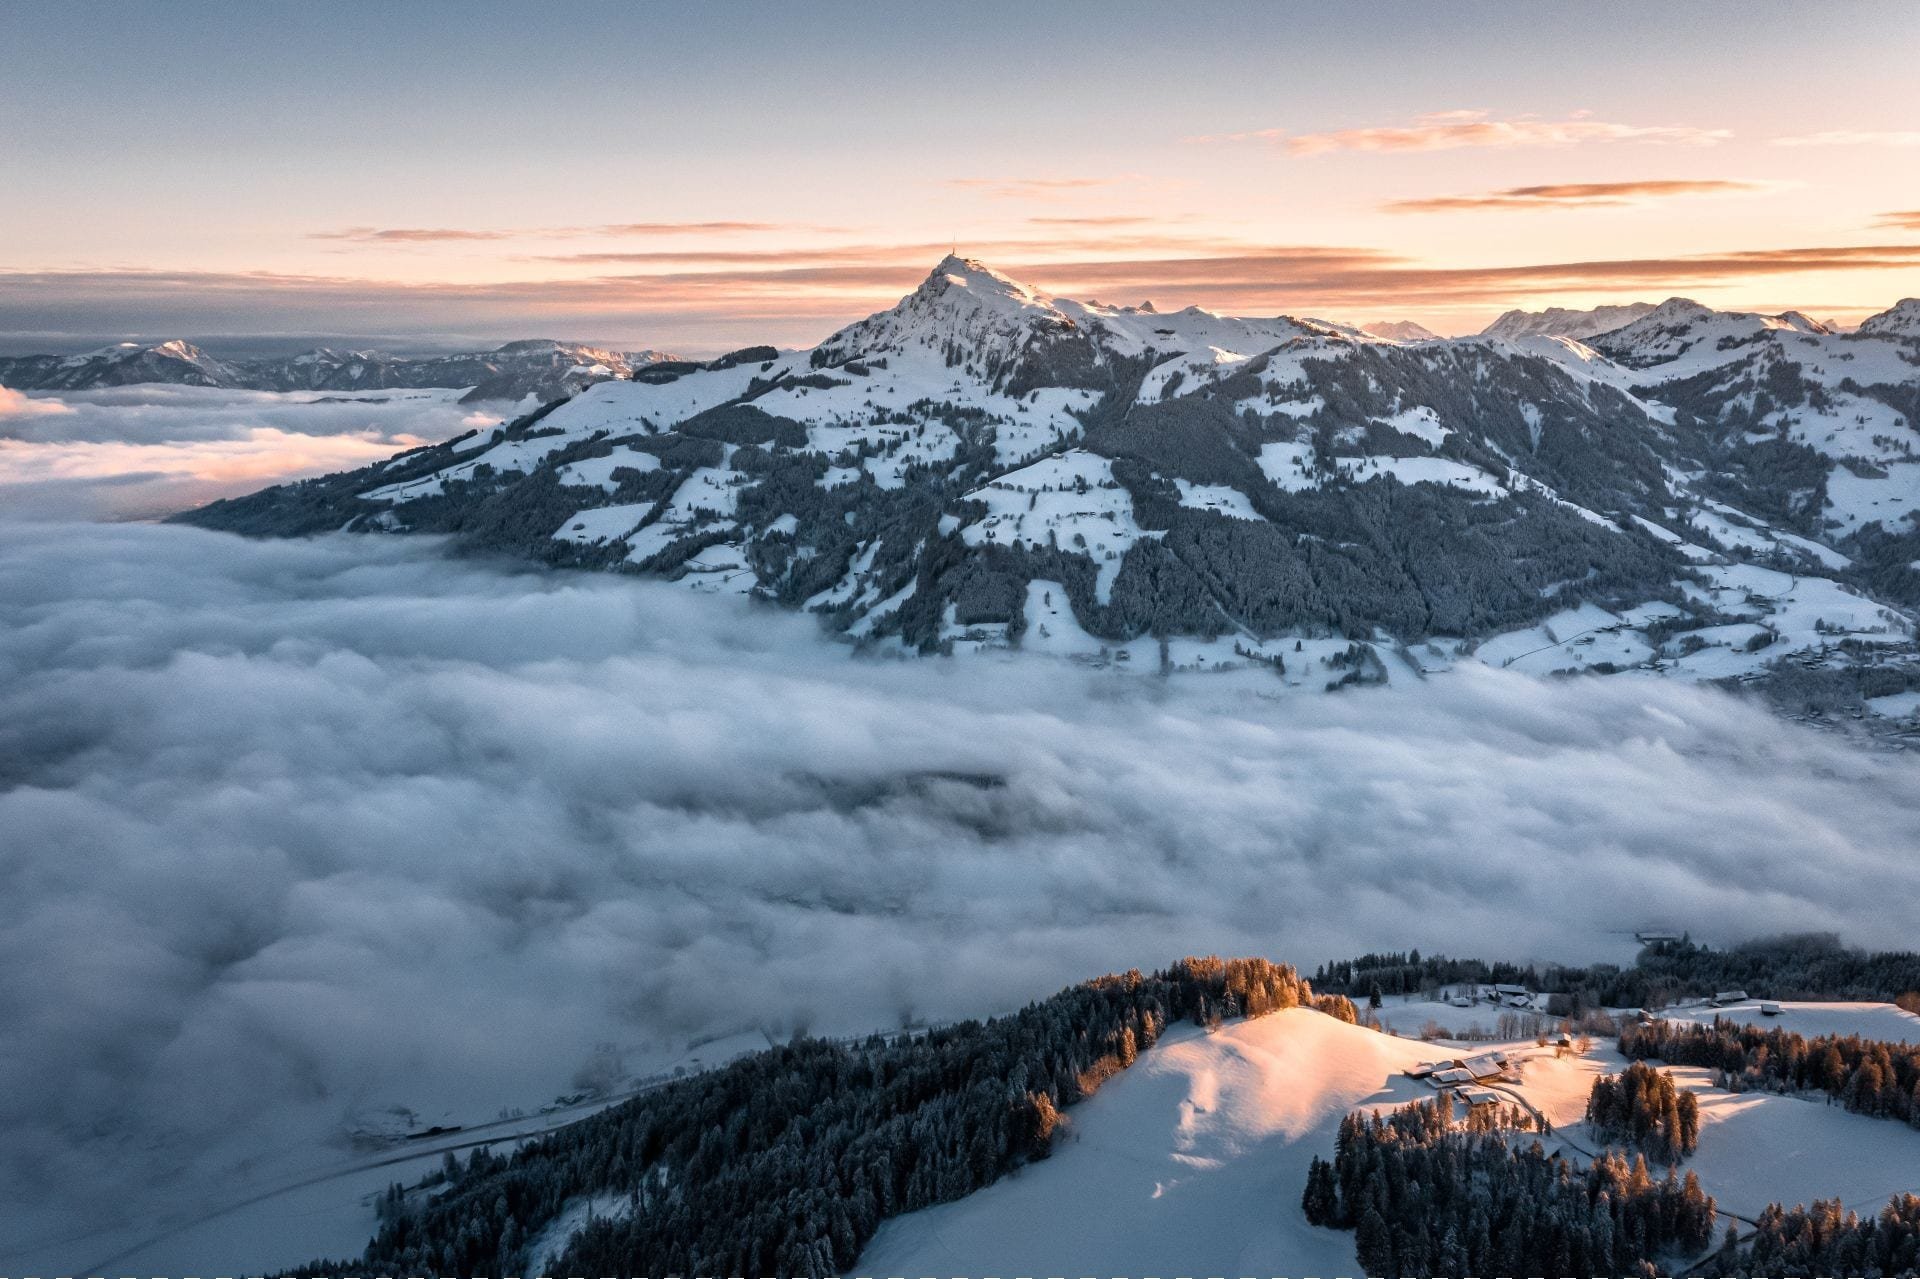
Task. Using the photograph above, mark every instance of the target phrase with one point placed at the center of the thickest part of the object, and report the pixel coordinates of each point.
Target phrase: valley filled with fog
(299, 832)
(147, 450)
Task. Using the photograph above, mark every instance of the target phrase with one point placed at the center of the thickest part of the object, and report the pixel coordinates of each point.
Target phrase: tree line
(1425, 1196)
(1642, 1107)
(1867, 1076)
(786, 1161)
(1812, 966)
(1825, 1239)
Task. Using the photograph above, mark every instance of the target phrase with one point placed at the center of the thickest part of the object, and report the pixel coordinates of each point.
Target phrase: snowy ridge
(1901, 320)
(1706, 494)
(1561, 322)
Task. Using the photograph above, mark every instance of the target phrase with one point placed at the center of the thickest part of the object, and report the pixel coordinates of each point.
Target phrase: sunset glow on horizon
(661, 178)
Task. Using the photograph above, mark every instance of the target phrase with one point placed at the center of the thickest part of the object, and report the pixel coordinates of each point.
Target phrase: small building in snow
(1728, 997)
(1484, 1067)
(1771, 1009)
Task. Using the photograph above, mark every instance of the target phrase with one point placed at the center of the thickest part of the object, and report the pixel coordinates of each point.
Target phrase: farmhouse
(1487, 1066)
(1728, 997)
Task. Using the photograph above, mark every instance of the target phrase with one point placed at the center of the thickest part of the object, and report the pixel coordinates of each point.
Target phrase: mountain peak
(963, 303)
(1677, 309)
(975, 276)
(1400, 331)
(1901, 320)
(1558, 321)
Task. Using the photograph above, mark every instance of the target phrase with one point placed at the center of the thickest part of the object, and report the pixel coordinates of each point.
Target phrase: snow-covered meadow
(301, 831)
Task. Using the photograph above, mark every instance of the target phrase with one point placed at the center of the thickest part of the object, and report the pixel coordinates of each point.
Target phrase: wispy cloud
(694, 228)
(407, 235)
(1030, 188)
(1577, 195)
(798, 296)
(919, 253)
(612, 230)
(1900, 220)
(1851, 138)
(1451, 130)
(1102, 219)
(15, 404)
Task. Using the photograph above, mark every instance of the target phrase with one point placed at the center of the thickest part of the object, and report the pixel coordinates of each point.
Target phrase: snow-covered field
(1193, 1160)
(1761, 1148)
(1868, 1020)
(1190, 1162)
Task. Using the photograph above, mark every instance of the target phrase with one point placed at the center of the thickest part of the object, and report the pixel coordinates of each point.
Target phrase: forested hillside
(1425, 1196)
(786, 1161)
(1815, 966)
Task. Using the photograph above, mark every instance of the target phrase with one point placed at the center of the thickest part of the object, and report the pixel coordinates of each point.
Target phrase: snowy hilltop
(1704, 493)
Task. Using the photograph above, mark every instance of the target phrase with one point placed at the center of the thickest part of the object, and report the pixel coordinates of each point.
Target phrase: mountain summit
(985, 464)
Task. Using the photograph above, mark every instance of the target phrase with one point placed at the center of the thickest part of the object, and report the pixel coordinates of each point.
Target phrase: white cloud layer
(137, 452)
(297, 829)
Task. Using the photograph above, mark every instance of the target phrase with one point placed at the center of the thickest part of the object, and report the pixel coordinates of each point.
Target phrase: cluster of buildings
(1509, 995)
(1464, 1076)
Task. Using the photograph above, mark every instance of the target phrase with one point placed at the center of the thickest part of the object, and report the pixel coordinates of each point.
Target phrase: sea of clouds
(294, 831)
(298, 829)
(137, 452)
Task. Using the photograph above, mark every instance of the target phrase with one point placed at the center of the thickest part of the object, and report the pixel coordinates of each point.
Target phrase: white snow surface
(1223, 498)
(1188, 1163)
(1066, 497)
(1866, 1019)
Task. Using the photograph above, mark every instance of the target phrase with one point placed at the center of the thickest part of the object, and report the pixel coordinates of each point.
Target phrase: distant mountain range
(1710, 494)
(1560, 322)
(1401, 331)
(541, 368)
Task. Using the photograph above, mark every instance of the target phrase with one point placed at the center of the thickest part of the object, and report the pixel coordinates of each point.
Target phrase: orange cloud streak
(1451, 130)
(1574, 195)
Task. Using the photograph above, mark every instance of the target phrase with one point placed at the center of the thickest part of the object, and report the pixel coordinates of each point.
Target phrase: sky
(692, 176)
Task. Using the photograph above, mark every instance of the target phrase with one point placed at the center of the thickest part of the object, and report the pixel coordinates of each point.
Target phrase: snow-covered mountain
(124, 364)
(1901, 320)
(985, 464)
(542, 368)
(1401, 331)
(1560, 322)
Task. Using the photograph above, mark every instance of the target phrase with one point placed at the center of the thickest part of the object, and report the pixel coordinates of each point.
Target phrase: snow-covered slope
(1190, 1162)
(123, 364)
(1884, 1022)
(1560, 322)
(1400, 330)
(1712, 492)
(1901, 320)
(1681, 327)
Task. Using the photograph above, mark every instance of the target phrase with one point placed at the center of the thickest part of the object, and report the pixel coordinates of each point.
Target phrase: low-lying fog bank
(294, 831)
